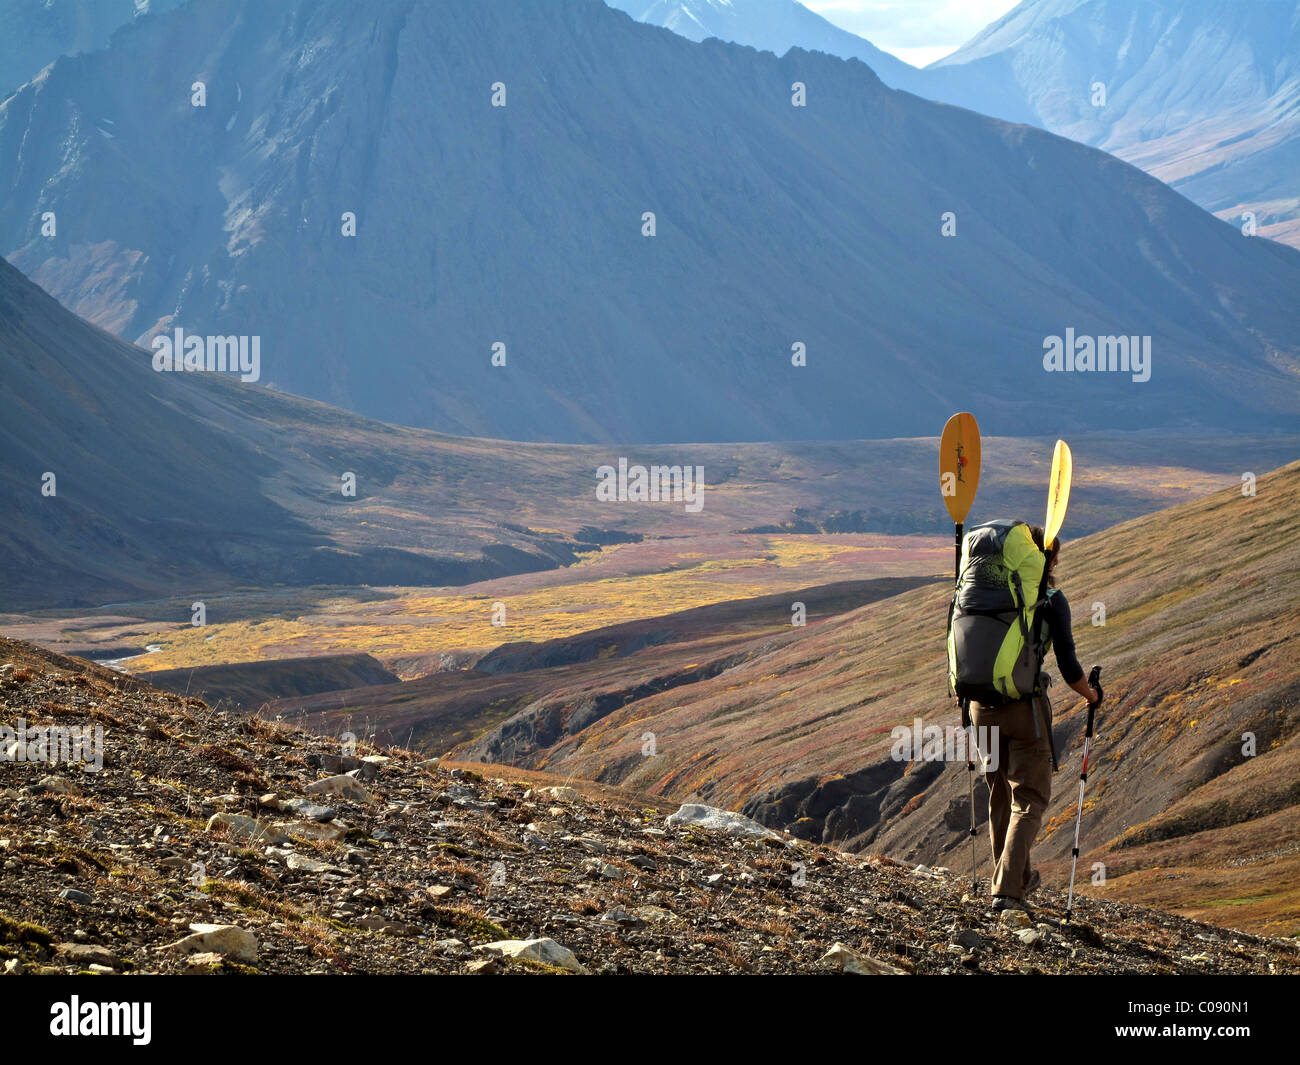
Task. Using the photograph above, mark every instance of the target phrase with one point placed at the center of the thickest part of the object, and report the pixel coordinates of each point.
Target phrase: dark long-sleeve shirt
(1057, 614)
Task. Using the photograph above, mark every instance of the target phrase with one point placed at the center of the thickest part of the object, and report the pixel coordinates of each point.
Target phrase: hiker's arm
(1085, 689)
(1058, 621)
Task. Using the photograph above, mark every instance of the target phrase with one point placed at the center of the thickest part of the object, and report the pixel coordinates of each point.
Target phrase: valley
(472, 468)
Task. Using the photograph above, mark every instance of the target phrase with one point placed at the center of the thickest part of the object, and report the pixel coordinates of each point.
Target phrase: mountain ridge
(829, 235)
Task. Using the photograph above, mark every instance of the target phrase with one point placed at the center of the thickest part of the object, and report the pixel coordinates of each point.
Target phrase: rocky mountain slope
(1198, 645)
(775, 225)
(212, 844)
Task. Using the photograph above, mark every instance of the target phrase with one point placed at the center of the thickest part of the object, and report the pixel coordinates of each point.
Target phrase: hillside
(212, 844)
(1198, 648)
(775, 225)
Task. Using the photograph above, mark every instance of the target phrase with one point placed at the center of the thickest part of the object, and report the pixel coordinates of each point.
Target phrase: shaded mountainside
(179, 483)
(212, 843)
(1199, 649)
(522, 224)
(778, 25)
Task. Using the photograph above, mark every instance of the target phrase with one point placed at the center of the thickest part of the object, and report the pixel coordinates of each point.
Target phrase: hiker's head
(1036, 531)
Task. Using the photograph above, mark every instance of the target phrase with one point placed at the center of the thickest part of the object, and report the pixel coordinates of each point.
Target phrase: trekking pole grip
(1094, 679)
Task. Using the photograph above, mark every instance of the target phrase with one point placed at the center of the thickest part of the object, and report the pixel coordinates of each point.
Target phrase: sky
(917, 31)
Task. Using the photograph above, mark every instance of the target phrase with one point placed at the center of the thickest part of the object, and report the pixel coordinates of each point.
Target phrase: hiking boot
(1032, 884)
(1004, 902)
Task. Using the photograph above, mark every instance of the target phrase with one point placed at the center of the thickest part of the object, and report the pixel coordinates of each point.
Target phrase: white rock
(1030, 936)
(196, 963)
(851, 961)
(228, 939)
(342, 785)
(300, 863)
(311, 830)
(696, 815)
(546, 951)
(247, 827)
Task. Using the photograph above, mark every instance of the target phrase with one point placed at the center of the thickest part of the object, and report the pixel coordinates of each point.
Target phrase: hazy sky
(917, 31)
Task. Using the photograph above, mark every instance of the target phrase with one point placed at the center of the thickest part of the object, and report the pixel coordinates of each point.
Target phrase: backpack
(996, 637)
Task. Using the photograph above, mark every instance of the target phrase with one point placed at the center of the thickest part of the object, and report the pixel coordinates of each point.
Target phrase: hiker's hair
(1049, 575)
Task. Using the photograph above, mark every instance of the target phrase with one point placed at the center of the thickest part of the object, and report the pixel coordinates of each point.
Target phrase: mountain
(1199, 649)
(36, 32)
(776, 225)
(770, 25)
(214, 844)
(1203, 94)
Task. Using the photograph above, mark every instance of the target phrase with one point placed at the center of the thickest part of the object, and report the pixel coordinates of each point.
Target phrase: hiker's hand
(1094, 696)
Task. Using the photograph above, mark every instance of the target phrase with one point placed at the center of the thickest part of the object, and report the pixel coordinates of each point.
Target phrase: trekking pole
(969, 725)
(1094, 679)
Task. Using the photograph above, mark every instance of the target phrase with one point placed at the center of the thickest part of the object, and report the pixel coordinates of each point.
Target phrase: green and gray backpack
(996, 637)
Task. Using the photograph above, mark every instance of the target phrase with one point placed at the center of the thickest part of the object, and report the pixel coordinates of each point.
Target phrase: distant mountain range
(1203, 94)
(771, 25)
(776, 227)
(37, 32)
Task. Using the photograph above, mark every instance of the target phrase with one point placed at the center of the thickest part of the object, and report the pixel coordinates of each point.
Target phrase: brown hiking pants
(1018, 790)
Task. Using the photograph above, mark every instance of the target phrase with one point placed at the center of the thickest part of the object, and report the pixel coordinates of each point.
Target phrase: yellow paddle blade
(959, 465)
(1058, 491)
